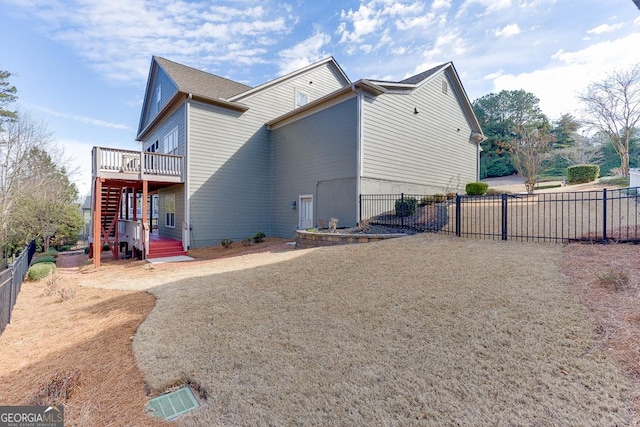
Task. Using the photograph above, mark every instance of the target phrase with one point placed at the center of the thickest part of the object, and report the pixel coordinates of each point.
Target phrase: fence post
(504, 216)
(359, 208)
(458, 210)
(401, 209)
(604, 216)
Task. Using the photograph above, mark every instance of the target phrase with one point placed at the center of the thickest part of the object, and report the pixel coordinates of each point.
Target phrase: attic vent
(444, 86)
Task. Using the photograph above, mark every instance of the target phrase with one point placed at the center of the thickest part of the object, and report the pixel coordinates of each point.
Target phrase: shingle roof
(421, 76)
(196, 82)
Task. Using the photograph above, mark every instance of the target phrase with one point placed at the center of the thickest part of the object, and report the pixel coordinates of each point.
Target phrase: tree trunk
(624, 164)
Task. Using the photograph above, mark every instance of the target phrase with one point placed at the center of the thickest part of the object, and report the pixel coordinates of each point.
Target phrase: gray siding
(172, 232)
(316, 155)
(430, 151)
(230, 158)
(159, 78)
(175, 118)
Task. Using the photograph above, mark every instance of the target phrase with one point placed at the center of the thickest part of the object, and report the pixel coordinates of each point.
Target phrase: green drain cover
(170, 405)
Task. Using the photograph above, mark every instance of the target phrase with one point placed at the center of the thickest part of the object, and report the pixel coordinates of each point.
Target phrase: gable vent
(444, 86)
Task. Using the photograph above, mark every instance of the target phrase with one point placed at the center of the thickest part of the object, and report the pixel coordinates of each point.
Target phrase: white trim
(359, 152)
(186, 242)
(309, 109)
(300, 197)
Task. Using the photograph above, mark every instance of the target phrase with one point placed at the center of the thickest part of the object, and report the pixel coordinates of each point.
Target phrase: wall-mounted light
(458, 130)
(415, 110)
(293, 205)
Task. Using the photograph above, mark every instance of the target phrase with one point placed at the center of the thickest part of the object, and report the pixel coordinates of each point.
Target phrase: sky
(81, 66)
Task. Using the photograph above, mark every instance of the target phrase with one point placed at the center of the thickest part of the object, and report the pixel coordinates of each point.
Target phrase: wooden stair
(161, 247)
(110, 202)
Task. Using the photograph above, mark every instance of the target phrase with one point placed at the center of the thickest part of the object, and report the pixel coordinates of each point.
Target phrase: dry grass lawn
(424, 330)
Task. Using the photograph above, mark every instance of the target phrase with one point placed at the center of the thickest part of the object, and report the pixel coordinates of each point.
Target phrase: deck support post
(145, 214)
(97, 221)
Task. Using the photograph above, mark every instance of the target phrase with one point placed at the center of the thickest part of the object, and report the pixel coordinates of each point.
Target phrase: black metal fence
(11, 281)
(592, 216)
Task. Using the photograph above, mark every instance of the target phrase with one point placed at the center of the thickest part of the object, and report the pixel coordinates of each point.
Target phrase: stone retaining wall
(310, 239)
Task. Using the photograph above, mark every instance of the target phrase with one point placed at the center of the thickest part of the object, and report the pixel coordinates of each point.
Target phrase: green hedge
(579, 174)
(40, 271)
(476, 188)
(409, 208)
(43, 259)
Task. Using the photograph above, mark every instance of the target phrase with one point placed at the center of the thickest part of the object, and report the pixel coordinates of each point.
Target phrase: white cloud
(558, 84)
(490, 6)
(304, 53)
(108, 34)
(83, 119)
(507, 30)
(440, 4)
(605, 28)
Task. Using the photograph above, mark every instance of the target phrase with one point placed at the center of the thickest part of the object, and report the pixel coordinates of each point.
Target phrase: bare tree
(583, 152)
(18, 140)
(612, 106)
(529, 151)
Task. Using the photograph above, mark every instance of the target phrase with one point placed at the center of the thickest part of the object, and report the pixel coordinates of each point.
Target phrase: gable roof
(423, 75)
(200, 83)
(329, 60)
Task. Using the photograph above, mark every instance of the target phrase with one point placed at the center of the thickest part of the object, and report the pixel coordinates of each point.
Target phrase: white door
(305, 212)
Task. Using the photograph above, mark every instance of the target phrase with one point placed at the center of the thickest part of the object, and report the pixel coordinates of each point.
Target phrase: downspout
(187, 205)
(359, 154)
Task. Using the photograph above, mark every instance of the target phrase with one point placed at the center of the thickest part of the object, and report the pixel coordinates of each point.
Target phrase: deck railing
(142, 163)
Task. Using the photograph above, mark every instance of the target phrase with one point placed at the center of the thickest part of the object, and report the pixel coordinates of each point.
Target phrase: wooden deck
(112, 163)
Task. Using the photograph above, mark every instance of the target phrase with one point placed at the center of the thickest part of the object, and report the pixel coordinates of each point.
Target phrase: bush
(579, 174)
(407, 208)
(476, 188)
(226, 243)
(51, 252)
(65, 248)
(40, 271)
(246, 241)
(259, 237)
(43, 259)
(451, 195)
(427, 200)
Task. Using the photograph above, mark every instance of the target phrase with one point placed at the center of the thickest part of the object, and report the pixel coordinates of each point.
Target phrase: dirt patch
(76, 352)
(606, 278)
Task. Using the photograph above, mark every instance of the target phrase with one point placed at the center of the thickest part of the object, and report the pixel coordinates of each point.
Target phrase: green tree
(612, 106)
(42, 212)
(500, 114)
(7, 96)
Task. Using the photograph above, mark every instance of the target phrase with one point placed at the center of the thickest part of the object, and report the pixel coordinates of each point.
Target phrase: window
(170, 142)
(158, 98)
(170, 210)
(302, 98)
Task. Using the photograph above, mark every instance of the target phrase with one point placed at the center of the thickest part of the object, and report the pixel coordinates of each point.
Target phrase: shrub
(43, 259)
(407, 208)
(226, 243)
(451, 195)
(579, 174)
(259, 237)
(65, 248)
(247, 241)
(440, 197)
(494, 192)
(333, 224)
(40, 271)
(51, 252)
(427, 200)
(476, 188)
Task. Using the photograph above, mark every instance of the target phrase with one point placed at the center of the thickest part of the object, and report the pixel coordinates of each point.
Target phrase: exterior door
(305, 212)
